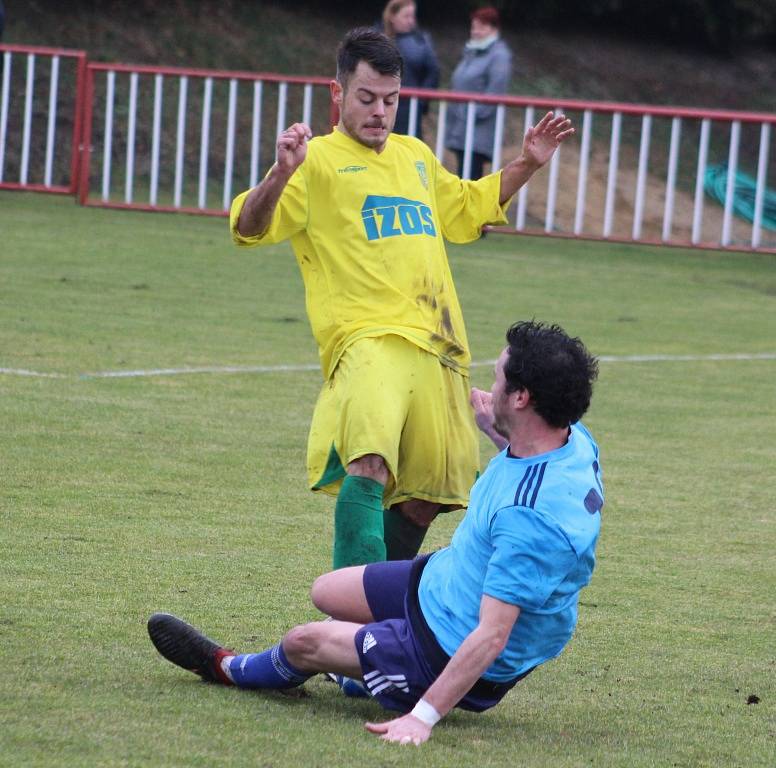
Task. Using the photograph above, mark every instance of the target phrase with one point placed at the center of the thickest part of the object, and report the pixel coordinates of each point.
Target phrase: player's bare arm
(260, 204)
(477, 652)
(539, 145)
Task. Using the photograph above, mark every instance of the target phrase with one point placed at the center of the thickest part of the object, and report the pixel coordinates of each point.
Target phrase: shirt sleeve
(290, 214)
(531, 558)
(464, 207)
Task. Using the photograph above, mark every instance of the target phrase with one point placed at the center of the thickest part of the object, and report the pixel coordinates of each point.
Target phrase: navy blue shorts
(399, 655)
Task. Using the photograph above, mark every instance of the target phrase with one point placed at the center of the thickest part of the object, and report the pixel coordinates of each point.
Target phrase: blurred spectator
(421, 68)
(486, 67)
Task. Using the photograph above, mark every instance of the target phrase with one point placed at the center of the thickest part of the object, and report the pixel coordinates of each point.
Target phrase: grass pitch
(186, 493)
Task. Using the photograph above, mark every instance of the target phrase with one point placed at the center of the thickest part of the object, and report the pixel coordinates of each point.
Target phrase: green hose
(715, 185)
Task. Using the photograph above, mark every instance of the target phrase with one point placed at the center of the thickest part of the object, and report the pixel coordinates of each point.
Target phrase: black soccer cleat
(184, 646)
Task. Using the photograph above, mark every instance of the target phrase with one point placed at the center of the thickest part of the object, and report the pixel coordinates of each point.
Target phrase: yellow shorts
(389, 397)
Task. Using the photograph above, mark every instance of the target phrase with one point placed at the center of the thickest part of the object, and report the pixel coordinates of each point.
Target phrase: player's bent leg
(324, 646)
(358, 513)
(405, 526)
(340, 594)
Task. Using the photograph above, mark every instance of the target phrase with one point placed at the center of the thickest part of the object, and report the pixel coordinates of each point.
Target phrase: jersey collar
(558, 453)
(345, 141)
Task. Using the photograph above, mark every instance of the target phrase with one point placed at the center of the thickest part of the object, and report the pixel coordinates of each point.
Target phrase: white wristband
(426, 713)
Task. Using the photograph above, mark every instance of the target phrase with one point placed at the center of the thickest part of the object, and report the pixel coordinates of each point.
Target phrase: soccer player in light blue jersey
(459, 627)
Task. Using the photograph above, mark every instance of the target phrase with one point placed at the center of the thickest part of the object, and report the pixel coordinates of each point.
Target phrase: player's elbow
(494, 640)
(246, 236)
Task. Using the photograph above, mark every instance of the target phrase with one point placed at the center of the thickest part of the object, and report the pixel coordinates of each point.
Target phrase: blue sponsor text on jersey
(392, 216)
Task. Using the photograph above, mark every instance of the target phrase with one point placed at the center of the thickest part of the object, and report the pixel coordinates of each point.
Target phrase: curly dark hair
(369, 45)
(557, 371)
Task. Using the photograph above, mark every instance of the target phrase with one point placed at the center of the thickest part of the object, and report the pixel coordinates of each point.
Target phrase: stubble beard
(500, 429)
(372, 142)
(500, 426)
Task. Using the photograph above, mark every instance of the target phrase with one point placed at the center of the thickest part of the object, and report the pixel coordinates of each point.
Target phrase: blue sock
(269, 669)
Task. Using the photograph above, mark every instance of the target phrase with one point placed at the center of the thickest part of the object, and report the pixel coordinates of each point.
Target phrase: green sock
(358, 523)
(402, 537)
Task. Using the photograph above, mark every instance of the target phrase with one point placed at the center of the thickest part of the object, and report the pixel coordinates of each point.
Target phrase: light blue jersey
(528, 538)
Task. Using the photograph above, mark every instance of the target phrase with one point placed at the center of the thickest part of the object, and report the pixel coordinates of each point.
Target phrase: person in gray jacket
(486, 67)
(421, 68)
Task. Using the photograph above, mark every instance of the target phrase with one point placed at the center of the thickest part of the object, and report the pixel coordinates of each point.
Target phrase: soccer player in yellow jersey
(367, 213)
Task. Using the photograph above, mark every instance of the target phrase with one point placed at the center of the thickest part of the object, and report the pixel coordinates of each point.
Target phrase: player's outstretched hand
(404, 730)
(544, 138)
(292, 147)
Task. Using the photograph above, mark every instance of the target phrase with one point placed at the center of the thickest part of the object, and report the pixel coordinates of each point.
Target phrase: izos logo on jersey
(391, 216)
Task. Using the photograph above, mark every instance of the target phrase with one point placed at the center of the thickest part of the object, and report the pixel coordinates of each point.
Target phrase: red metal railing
(623, 179)
(74, 110)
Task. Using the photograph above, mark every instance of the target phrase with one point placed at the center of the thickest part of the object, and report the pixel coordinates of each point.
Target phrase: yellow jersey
(368, 232)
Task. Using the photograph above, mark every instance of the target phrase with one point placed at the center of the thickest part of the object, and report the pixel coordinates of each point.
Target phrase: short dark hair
(557, 371)
(369, 45)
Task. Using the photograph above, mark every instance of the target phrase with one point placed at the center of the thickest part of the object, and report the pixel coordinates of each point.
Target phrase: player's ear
(520, 399)
(337, 91)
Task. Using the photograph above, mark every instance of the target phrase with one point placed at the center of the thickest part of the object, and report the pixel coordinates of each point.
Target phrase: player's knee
(301, 643)
(321, 593)
(372, 465)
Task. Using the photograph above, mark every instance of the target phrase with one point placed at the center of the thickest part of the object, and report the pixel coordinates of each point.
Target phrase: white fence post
(156, 139)
(52, 121)
(641, 179)
(468, 144)
(27, 129)
(703, 153)
(204, 143)
(107, 144)
(439, 150)
(730, 187)
(759, 199)
(584, 157)
(673, 161)
(230, 130)
(552, 188)
(413, 116)
(180, 140)
(4, 98)
(522, 195)
(611, 179)
(132, 127)
(307, 105)
(282, 102)
(256, 133)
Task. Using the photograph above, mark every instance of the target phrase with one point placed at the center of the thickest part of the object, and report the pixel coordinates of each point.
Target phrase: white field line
(36, 374)
(304, 367)
(201, 369)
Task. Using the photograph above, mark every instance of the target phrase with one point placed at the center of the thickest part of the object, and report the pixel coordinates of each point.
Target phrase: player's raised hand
(403, 730)
(542, 139)
(482, 403)
(292, 147)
